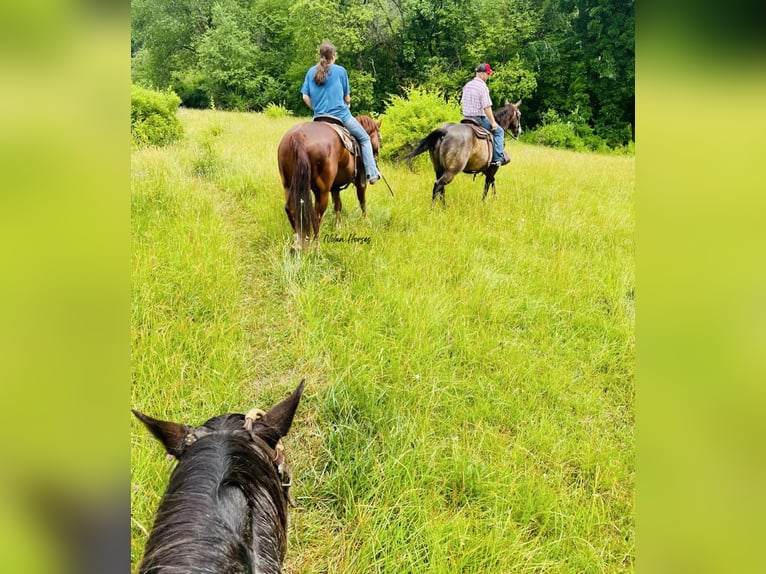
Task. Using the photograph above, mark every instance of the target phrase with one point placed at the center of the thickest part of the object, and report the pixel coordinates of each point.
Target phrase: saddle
(479, 131)
(349, 142)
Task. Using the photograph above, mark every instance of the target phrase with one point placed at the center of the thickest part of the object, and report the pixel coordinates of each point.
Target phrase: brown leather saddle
(481, 132)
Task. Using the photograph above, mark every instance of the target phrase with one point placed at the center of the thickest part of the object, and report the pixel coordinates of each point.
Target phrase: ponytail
(326, 56)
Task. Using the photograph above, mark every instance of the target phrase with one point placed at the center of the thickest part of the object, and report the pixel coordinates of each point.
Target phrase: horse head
(509, 118)
(232, 471)
(372, 128)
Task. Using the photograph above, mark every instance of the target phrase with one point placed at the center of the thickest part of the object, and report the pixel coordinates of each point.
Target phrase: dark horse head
(455, 148)
(509, 117)
(313, 158)
(225, 508)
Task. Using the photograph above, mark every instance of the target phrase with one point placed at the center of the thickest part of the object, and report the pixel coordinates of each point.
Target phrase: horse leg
(291, 217)
(439, 186)
(361, 190)
(489, 180)
(320, 206)
(337, 204)
(487, 184)
(434, 193)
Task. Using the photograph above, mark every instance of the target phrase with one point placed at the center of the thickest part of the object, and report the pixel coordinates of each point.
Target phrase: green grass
(469, 400)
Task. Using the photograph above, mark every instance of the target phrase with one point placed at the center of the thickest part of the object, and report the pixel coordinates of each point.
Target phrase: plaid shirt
(475, 98)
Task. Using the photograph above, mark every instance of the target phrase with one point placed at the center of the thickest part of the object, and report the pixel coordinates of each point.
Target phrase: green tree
(584, 55)
(167, 33)
(575, 57)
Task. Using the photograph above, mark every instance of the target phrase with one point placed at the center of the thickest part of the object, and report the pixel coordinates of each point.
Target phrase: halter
(516, 113)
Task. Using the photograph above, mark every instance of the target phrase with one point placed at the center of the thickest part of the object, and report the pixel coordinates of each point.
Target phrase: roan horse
(455, 148)
(225, 508)
(313, 157)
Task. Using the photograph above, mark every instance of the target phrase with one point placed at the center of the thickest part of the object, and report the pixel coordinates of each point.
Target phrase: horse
(225, 509)
(456, 147)
(312, 156)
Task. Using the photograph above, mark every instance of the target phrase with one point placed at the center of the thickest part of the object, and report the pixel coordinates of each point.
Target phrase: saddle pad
(345, 137)
(481, 132)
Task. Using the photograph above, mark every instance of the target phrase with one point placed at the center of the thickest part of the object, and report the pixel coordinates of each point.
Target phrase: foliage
(572, 132)
(273, 110)
(557, 135)
(585, 62)
(153, 119)
(511, 81)
(414, 116)
(569, 55)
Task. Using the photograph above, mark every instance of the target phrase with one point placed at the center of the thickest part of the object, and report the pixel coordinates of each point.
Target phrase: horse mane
(503, 115)
(205, 519)
(367, 123)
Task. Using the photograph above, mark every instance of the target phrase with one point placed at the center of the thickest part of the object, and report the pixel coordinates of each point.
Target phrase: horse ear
(171, 435)
(274, 424)
(517, 104)
(380, 122)
(506, 102)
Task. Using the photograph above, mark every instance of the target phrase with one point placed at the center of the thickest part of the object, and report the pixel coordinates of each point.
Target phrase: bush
(276, 111)
(410, 118)
(575, 133)
(153, 118)
(572, 132)
(558, 135)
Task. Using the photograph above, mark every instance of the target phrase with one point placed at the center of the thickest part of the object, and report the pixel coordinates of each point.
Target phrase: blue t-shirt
(328, 98)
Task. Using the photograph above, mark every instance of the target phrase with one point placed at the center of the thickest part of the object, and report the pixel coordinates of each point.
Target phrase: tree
(575, 57)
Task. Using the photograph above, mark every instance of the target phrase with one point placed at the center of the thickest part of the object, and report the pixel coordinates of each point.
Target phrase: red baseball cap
(485, 68)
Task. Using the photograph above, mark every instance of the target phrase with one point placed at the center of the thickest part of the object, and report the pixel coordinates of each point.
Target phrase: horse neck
(224, 510)
(367, 123)
(503, 117)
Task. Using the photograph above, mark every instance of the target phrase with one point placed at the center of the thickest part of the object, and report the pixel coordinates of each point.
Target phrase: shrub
(557, 132)
(276, 111)
(412, 117)
(558, 135)
(574, 132)
(153, 118)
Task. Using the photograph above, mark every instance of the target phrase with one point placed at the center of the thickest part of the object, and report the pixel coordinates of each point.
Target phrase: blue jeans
(498, 137)
(356, 130)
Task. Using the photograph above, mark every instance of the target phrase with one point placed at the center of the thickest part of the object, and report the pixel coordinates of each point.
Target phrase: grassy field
(469, 399)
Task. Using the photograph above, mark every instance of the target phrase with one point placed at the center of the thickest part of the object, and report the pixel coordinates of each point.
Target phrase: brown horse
(455, 148)
(313, 157)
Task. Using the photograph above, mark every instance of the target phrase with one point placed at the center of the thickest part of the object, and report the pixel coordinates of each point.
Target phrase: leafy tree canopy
(572, 57)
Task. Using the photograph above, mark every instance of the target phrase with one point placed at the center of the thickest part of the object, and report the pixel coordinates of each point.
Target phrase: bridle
(517, 115)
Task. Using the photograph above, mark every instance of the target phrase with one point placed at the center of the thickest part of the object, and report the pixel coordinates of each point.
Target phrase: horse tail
(427, 143)
(299, 188)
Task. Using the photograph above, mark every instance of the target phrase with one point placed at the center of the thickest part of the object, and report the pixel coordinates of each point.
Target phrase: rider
(326, 92)
(476, 104)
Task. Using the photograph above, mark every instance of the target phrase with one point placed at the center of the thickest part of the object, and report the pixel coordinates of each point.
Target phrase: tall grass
(469, 405)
